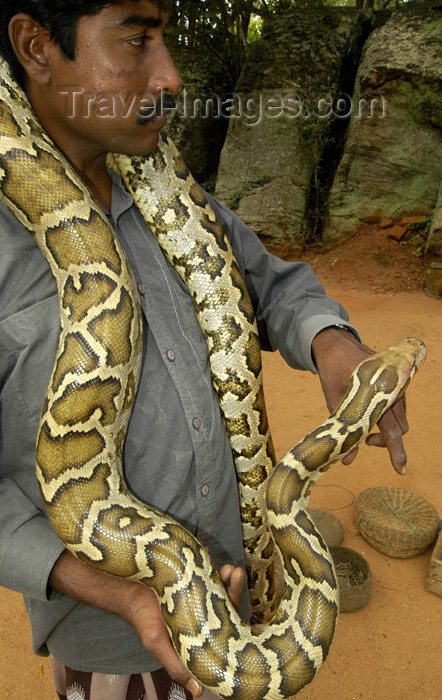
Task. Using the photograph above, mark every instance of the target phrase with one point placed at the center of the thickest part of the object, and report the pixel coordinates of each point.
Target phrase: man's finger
(233, 580)
(348, 459)
(375, 440)
(146, 617)
(390, 436)
(398, 409)
(171, 662)
(161, 646)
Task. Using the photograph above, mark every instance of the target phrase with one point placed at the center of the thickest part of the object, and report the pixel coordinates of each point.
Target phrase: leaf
(40, 671)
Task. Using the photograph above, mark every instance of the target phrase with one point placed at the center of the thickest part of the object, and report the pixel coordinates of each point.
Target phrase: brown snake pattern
(91, 394)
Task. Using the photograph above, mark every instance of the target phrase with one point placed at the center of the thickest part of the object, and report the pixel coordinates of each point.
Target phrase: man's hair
(59, 17)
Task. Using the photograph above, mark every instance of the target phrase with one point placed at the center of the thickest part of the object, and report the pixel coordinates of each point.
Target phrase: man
(177, 456)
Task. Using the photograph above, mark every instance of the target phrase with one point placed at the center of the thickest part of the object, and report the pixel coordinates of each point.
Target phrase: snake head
(378, 381)
(406, 357)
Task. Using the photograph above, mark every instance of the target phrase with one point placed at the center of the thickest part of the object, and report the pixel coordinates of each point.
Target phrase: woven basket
(396, 521)
(328, 525)
(354, 578)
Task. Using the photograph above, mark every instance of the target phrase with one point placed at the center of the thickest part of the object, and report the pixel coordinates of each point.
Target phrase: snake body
(91, 394)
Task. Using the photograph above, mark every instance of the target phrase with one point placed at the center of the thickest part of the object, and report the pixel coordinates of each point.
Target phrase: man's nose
(165, 77)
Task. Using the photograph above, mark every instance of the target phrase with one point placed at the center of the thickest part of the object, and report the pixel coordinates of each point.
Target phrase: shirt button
(141, 289)
(170, 355)
(204, 490)
(196, 423)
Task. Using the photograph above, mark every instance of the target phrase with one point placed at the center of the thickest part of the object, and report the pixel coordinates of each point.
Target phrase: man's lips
(157, 120)
(157, 113)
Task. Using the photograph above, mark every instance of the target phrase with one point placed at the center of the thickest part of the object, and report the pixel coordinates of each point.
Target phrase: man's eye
(139, 41)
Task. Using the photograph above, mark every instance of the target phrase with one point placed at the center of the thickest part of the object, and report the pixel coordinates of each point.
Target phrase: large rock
(433, 248)
(198, 136)
(271, 159)
(264, 176)
(392, 166)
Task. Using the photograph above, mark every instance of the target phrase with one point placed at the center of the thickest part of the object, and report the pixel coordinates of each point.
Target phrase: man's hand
(145, 615)
(337, 353)
(133, 602)
(136, 604)
(143, 612)
(233, 580)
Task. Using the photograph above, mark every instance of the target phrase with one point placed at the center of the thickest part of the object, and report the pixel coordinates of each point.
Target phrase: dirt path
(391, 648)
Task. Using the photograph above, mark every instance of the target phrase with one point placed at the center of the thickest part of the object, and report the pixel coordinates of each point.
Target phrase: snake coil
(91, 394)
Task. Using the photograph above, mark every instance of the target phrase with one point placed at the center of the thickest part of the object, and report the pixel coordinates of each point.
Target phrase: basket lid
(396, 521)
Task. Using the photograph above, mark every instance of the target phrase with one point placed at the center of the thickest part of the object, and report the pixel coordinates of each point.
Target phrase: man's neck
(88, 162)
(100, 185)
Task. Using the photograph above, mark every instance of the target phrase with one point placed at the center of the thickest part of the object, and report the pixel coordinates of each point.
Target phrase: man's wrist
(325, 341)
(92, 587)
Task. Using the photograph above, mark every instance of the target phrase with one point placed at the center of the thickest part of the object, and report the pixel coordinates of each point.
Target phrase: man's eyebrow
(140, 21)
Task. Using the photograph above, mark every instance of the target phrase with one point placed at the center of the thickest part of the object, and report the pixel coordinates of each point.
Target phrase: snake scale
(91, 395)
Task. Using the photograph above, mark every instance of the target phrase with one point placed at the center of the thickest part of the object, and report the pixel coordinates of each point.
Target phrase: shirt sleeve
(29, 328)
(29, 546)
(291, 305)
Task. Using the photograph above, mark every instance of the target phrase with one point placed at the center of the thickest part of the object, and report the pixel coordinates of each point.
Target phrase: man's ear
(30, 42)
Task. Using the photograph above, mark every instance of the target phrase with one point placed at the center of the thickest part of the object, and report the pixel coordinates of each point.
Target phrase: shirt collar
(121, 199)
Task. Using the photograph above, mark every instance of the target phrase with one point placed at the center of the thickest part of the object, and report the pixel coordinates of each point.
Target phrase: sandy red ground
(391, 648)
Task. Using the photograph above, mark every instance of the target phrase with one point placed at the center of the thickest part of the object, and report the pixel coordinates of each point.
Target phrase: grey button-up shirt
(177, 455)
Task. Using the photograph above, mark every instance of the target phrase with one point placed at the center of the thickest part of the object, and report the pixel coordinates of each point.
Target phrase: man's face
(104, 100)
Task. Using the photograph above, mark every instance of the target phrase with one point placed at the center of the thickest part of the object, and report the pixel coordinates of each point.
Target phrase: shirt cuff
(312, 326)
(30, 556)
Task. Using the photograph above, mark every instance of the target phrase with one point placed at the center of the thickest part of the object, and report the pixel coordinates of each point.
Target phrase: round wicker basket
(396, 521)
(328, 525)
(354, 578)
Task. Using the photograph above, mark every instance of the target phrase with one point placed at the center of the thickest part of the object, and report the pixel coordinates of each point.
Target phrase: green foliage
(424, 103)
(255, 29)
(434, 30)
(420, 233)
(220, 27)
(429, 107)
(381, 258)
(319, 246)
(226, 29)
(233, 203)
(209, 184)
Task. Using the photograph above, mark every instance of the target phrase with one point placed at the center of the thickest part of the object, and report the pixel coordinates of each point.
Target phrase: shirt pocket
(30, 339)
(13, 264)
(25, 278)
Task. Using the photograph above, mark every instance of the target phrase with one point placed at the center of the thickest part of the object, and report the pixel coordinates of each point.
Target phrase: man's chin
(144, 146)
